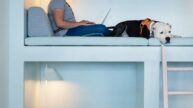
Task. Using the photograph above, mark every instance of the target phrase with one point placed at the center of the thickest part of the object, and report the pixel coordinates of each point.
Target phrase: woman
(64, 23)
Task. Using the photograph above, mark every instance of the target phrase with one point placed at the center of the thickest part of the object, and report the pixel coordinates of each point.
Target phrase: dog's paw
(177, 36)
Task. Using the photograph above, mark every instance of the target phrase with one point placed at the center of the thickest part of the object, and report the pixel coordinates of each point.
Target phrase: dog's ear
(169, 25)
(154, 28)
(148, 19)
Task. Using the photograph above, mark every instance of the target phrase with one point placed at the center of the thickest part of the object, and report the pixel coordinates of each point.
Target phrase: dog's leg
(177, 36)
(119, 29)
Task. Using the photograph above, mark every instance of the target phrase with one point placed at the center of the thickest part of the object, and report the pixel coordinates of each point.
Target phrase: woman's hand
(85, 22)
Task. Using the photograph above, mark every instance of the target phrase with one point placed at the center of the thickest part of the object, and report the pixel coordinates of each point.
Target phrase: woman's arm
(61, 23)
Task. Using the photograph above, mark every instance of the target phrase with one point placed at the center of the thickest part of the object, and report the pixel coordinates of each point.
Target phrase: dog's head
(162, 31)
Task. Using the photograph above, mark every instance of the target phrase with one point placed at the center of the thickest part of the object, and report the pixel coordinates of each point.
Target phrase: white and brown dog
(144, 28)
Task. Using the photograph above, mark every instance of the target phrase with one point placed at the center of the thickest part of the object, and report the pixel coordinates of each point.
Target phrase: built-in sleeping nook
(39, 30)
(51, 71)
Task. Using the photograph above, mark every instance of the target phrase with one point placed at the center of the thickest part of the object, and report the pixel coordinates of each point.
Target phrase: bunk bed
(40, 47)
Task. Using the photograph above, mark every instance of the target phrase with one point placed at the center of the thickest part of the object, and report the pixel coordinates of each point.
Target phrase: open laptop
(107, 14)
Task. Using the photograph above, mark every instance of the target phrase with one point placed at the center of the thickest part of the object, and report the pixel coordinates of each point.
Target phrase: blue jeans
(89, 30)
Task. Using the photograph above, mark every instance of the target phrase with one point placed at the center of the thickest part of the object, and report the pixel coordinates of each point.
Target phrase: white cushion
(110, 41)
(38, 23)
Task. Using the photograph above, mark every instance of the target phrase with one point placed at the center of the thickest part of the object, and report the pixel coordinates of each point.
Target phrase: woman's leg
(90, 30)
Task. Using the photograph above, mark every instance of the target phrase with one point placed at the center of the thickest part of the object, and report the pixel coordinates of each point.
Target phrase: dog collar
(153, 25)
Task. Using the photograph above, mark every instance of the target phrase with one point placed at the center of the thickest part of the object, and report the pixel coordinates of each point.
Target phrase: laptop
(107, 14)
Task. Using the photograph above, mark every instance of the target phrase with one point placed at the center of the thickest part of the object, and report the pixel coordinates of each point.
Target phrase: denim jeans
(89, 30)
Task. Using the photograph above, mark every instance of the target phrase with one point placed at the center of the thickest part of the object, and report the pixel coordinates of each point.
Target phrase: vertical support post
(43, 83)
(165, 76)
(16, 84)
(151, 84)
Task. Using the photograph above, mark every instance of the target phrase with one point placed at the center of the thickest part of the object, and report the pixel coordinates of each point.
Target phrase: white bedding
(103, 41)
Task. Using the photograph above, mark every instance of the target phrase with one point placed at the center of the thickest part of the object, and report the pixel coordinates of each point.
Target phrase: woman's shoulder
(57, 4)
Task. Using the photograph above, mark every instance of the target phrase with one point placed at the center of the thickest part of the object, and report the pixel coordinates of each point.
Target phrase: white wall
(91, 85)
(30, 3)
(176, 12)
(4, 47)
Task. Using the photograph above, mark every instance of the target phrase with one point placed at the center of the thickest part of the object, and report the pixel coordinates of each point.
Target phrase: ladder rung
(180, 69)
(180, 93)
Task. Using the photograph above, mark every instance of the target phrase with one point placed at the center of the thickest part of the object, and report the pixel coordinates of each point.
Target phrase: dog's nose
(167, 39)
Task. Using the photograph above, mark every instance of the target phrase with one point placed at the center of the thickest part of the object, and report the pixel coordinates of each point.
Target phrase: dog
(146, 28)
